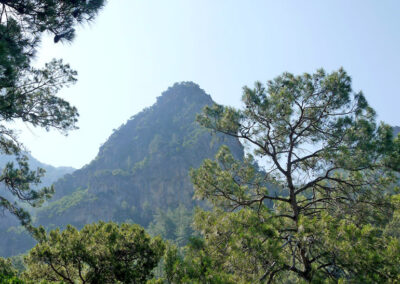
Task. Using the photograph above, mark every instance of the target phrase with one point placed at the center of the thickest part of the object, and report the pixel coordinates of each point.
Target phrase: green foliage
(320, 143)
(140, 165)
(8, 274)
(28, 94)
(173, 224)
(99, 253)
(18, 263)
(57, 17)
(60, 206)
(4, 279)
(6, 267)
(196, 266)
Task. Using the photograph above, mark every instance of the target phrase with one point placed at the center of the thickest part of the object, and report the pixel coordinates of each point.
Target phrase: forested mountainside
(143, 166)
(12, 236)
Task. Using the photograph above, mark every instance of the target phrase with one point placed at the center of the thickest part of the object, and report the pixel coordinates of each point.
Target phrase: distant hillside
(13, 238)
(52, 173)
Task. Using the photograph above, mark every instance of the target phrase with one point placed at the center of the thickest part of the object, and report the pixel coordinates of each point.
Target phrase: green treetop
(321, 146)
(99, 253)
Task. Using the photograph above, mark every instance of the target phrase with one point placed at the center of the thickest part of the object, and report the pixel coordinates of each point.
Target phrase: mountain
(142, 167)
(14, 239)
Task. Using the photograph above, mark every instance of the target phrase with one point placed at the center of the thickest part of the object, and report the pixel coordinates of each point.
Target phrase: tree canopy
(28, 94)
(99, 253)
(57, 17)
(334, 166)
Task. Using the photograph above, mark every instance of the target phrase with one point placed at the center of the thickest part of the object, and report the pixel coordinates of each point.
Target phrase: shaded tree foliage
(195, 264)
(8, 274)
(173, 224)
(6, 267)
(320, 143)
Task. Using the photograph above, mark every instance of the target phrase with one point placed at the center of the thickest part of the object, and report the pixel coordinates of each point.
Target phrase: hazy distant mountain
(52, 173)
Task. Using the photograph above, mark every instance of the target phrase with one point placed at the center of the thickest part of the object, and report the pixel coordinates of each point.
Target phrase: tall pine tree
(335, 167)
(28, 94)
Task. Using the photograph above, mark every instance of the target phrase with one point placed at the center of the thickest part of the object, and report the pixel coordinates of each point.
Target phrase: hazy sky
(135, 49)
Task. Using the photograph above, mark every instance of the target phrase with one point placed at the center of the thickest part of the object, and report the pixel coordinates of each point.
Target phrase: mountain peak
(143, 166)
(183, 86)
(187, 91)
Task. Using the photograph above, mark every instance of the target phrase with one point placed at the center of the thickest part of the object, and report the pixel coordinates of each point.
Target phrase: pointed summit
(188, 92)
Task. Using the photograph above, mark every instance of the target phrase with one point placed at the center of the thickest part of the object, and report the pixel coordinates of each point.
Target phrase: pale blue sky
(135, 49)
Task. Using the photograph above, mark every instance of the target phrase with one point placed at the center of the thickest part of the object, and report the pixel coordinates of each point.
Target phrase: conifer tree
(28, 94)
(334, 169)
(98, 253)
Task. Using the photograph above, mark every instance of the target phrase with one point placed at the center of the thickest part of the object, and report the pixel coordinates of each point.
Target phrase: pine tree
(29, 94)
(335, 169)
(99, 253)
